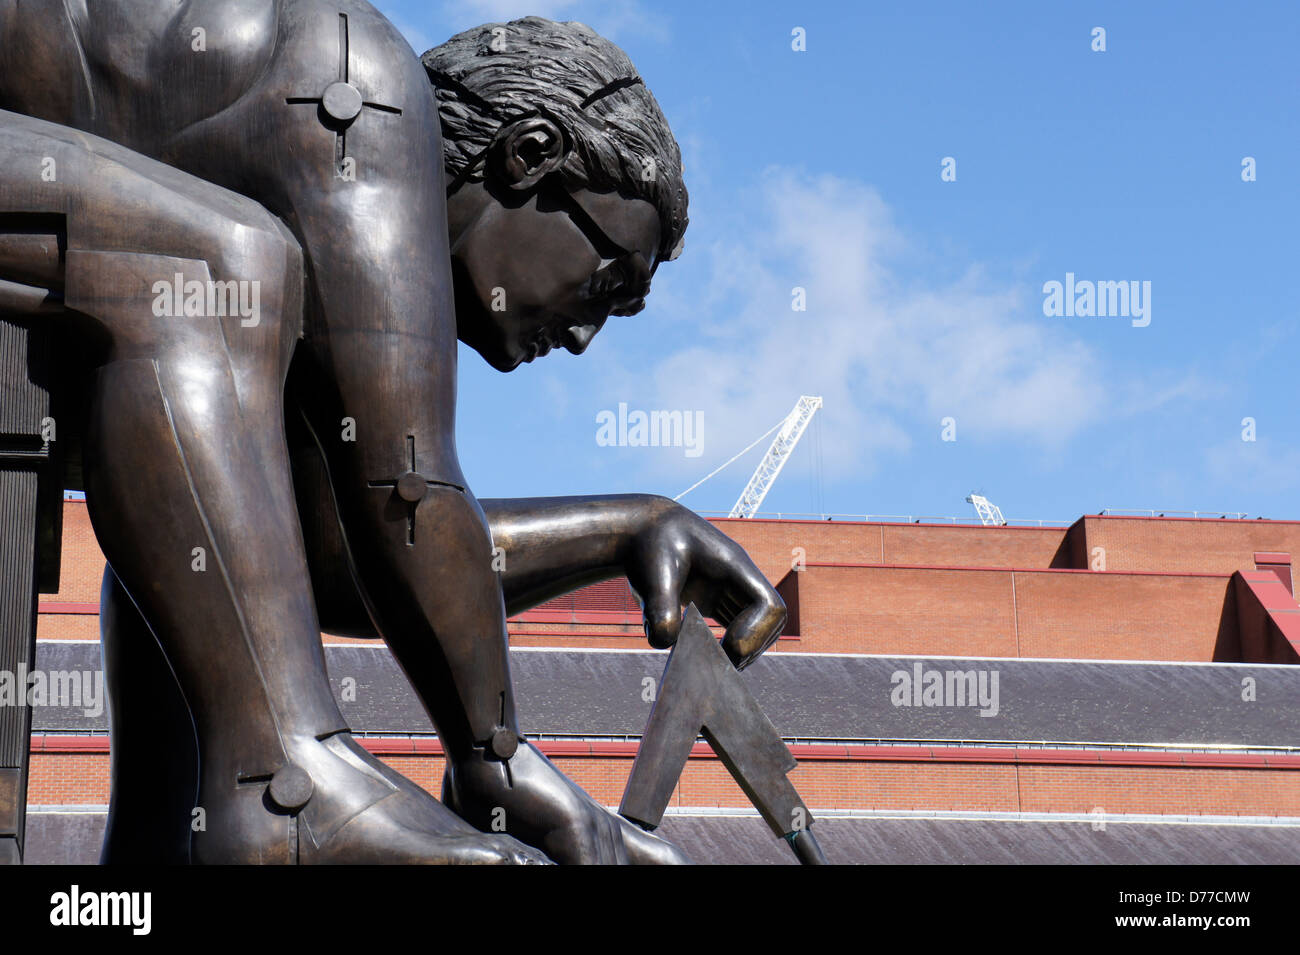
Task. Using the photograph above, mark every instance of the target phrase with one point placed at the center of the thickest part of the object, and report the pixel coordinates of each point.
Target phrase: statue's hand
(679, 558)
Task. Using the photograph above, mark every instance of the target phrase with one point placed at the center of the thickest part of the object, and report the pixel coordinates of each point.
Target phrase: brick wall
(72, 779)
(1174, 545)
(68, 779)
(771, 544)
(1116, 616)
(1013, 605)
(897, 610)
(83, 562)
(926, 607)
(1009, 613)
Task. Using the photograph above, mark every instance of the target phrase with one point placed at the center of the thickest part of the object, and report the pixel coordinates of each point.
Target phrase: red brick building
(1139, 668)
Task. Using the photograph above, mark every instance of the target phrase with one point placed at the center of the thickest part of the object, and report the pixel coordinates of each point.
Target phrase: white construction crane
(989, 513)
(792, 430)
(791, 427)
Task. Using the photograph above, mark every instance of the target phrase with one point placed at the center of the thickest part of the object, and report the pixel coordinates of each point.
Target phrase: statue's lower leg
(155, 756)
(457, 658)
(281, 780)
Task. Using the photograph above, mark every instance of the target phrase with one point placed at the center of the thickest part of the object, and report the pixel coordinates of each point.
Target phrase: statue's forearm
(553, 545)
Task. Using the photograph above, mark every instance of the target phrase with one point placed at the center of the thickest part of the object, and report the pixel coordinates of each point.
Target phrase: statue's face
(546, 269)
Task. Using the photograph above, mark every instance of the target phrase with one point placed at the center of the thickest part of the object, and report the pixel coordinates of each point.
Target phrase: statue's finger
(659, 582)
(663, 619)
(755, 629)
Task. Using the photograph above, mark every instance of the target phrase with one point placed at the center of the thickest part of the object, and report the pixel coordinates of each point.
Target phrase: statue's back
(132, 71)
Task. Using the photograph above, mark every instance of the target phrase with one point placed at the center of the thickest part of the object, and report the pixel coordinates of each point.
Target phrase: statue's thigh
(196, 294)
(160, 259)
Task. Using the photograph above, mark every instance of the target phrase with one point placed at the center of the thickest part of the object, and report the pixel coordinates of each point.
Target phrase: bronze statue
(239, 210)
(701, 693)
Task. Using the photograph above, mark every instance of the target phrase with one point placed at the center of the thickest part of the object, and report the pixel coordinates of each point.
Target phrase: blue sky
(821, 169)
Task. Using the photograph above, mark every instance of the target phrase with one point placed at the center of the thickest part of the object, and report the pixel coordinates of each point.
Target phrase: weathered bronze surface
(236, 215)
(701, 692)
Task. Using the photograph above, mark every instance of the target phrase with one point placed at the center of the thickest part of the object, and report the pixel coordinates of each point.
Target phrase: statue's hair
(495, 73)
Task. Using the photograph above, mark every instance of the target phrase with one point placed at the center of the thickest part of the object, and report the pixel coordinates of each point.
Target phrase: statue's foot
(388, 833)
(528, 797)
(336, 804)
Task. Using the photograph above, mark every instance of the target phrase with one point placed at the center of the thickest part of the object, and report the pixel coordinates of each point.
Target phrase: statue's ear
(525, 151)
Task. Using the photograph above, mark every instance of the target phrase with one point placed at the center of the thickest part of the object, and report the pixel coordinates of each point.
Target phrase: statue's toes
(384, 833)
(519, 854)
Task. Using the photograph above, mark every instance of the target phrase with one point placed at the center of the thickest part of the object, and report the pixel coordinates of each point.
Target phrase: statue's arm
(671, 557)
(554, 545)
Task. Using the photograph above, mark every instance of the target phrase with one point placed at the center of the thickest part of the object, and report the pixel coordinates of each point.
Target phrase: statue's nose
(578, 337)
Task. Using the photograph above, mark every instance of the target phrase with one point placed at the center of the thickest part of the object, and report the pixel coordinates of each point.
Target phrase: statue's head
(564, 185)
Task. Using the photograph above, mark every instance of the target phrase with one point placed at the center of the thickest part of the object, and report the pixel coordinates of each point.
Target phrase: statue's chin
(495, 353)
(500, 359)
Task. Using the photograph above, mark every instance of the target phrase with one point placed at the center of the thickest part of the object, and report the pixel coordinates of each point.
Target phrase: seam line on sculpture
(81, 55)
(221, 565)
(343, 47)
(230, 359)
(366, 600)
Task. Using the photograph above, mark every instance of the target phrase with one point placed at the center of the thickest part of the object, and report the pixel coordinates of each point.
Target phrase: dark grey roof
(74, 838)
(819, 696)
(747, 840)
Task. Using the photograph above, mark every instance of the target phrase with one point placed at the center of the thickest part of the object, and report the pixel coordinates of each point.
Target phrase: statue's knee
(266, 267)
(108, 198)
(461, 530)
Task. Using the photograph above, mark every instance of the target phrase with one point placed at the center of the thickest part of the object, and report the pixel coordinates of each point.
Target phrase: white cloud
(420, 39)
(891, 356)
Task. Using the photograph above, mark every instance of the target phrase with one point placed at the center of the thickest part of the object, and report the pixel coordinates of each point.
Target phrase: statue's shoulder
(337, 39)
